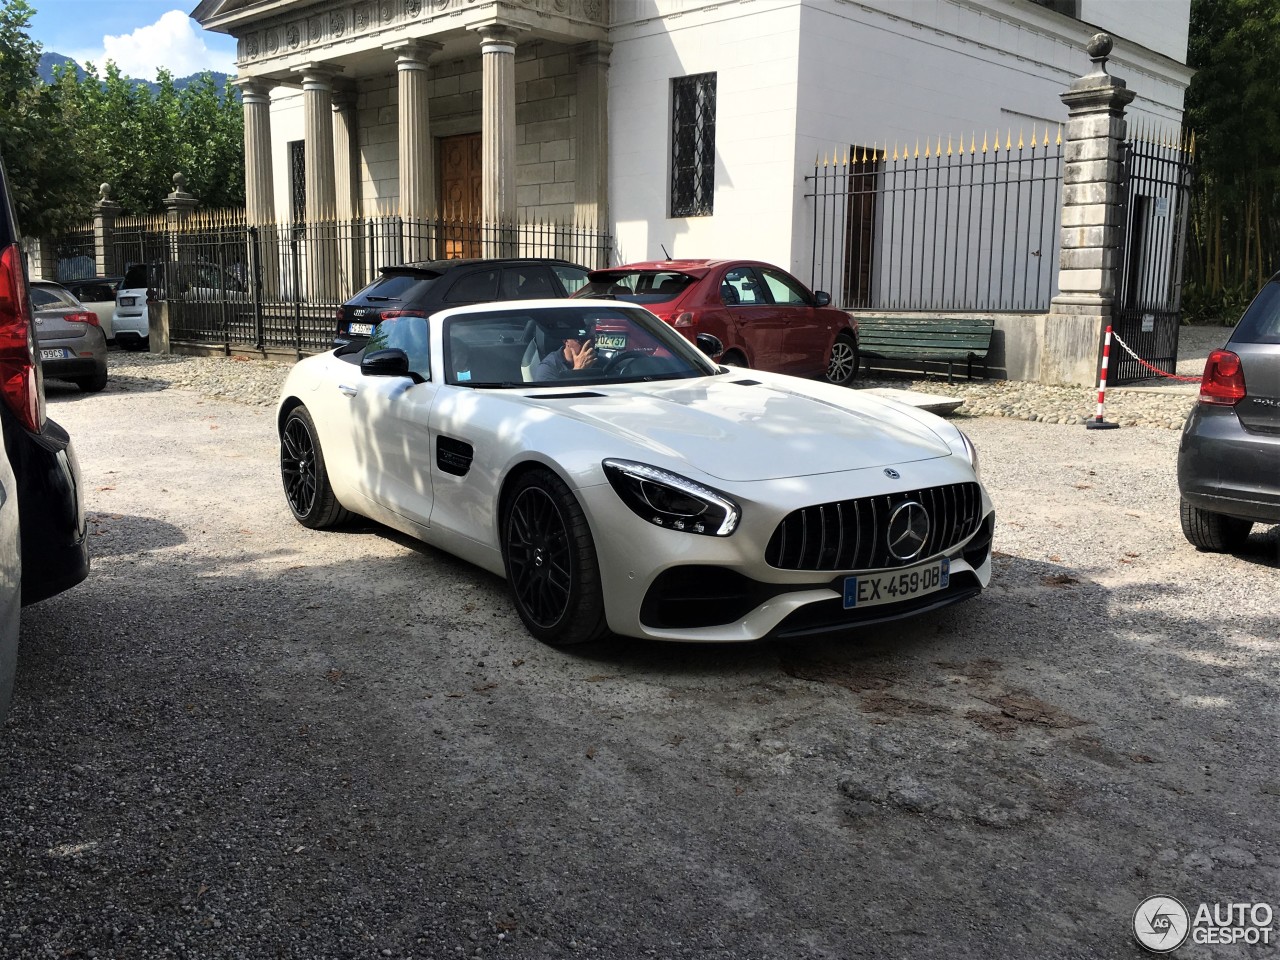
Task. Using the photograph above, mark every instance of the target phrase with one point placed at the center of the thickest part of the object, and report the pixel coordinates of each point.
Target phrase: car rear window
(135, 277)
(51, 297)
(391, 287)
(1261, 322)
(638, 286)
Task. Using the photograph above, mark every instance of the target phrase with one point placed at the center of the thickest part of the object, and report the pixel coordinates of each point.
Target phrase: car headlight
(669, 500)
(971, 452)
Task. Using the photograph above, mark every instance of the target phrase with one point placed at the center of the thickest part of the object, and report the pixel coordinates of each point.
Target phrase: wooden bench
(944, 339)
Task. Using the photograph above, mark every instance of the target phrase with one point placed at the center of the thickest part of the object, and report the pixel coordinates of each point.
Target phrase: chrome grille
(852, 534)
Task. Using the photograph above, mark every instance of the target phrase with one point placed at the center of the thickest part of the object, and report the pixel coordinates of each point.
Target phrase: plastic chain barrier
(1154, 369)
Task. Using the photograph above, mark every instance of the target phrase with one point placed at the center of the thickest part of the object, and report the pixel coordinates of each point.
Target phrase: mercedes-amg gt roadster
(622, 481)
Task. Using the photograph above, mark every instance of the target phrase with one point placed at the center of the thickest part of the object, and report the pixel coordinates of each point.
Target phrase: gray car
(72, 344)
(1229, 458)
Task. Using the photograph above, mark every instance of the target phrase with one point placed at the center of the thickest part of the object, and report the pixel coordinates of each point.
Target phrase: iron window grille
(298, 179)
(693, 145)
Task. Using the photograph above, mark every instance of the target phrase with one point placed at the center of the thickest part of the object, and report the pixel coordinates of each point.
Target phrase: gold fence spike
(984, 141)
(927, 154)
(938, 150)
(916, 155)
(1019, 138)
(949, 145)
(1008, 139)
(1193, 144)
(1059, 140)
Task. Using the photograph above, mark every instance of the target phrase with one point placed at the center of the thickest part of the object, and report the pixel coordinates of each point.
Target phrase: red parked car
(765, 317)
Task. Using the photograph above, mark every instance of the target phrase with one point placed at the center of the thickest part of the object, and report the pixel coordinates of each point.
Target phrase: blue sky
(139, 35)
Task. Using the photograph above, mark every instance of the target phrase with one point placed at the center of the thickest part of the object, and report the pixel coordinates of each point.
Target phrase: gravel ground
(243, 739)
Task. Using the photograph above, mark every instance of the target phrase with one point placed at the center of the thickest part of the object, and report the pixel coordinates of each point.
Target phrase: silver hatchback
(70, 339)
(1229, 458)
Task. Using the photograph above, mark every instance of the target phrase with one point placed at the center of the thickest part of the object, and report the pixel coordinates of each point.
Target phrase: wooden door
(461, 195)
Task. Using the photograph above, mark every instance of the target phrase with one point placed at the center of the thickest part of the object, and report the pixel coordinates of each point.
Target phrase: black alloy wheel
(551, 562)
(302, 470)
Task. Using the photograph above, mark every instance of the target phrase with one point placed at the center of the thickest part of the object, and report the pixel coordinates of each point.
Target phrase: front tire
(551, 563)
(843, 365)
(1213, 532)
(302, 470)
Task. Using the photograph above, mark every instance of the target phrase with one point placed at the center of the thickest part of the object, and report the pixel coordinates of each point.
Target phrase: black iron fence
(948, 227)
(1156, 197)
(280, 285)
(75, 254)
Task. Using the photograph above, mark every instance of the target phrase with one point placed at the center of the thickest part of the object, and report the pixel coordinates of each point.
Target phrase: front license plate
(360, 329)
(896, 585)
(611, 341)
(128, 301)
(53, 354)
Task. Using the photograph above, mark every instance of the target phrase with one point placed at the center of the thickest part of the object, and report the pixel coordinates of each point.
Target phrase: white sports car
(622, 481)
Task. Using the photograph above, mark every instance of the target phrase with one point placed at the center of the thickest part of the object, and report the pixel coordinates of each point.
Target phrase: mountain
(49, 60)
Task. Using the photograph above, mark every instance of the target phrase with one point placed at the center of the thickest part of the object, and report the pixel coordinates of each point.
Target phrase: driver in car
(575, 354)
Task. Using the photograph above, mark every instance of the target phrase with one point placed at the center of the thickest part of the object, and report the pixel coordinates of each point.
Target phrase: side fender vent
(746, 383)
(586, 395)
(454, 456)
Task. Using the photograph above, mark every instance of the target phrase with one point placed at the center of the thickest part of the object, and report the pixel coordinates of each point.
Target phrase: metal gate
(1155, 210)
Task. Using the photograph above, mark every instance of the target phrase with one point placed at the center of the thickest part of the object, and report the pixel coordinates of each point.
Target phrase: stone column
(346, 167)
(259, 181)
(105, 212)
(178, 207)
(591, 140)
(322, 203)
(1089, 262)
(417, 178)
(260, 187)
(498, 136)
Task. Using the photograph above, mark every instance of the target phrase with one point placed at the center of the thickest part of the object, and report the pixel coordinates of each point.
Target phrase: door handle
(346, 391)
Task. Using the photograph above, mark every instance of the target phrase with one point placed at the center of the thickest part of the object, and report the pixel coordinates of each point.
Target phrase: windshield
(637, 286)
(578, 345)
(1261, 322)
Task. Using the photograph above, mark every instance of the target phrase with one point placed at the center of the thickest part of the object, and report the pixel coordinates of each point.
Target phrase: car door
(757, 323)
(806, 341)
(389, 419)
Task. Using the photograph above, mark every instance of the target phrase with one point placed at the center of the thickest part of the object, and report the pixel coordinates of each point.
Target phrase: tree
(47, 171)
(1233, 105)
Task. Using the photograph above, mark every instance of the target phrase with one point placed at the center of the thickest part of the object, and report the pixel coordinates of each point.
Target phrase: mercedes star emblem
(908, 530)
(892, 474)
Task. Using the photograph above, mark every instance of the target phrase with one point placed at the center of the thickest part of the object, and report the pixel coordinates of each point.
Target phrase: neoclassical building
(679, 125)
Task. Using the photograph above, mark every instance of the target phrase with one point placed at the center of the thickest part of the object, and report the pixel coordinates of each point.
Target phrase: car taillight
(686, 319)
(87, 316)
(21, 383)
(1223, 380)
(392, 314)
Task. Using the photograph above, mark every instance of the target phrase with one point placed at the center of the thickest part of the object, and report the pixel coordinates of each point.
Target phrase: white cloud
(172, 42)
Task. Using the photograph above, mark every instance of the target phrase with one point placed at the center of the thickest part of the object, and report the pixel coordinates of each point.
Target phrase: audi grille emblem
(908, 530)
(892, 474)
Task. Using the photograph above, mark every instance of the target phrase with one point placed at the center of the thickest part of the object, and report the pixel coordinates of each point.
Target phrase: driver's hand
(580, 356)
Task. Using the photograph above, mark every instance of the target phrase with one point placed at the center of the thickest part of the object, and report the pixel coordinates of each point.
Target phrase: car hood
(738, 430)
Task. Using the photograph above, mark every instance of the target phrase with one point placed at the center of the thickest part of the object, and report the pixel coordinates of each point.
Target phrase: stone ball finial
(1099, 48)
(104, 192)
(179, 182)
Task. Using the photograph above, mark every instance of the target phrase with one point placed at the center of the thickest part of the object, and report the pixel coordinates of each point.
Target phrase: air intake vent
(854, 534)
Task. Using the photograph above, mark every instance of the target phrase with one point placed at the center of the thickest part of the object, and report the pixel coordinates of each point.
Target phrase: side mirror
(385, 363)
(821, 298)
(709, 345)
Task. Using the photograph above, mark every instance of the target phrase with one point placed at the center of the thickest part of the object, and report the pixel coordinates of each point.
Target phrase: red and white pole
(1098, 423)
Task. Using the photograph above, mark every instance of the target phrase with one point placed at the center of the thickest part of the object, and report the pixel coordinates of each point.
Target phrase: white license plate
(360, 329)
(128, 301)
(611, 341)
(53, 354)
(896, 585)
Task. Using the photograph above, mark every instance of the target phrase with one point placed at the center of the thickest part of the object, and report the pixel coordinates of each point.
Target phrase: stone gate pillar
(105, 212)
(1089, 261)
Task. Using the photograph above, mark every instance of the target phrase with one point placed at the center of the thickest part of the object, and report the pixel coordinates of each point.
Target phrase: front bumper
(1224, 468)
(664, 584)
